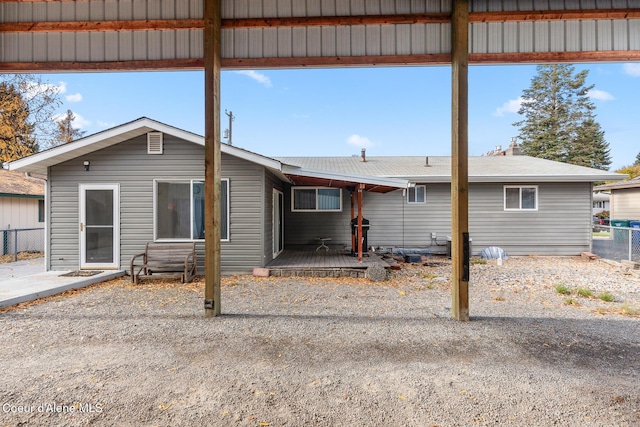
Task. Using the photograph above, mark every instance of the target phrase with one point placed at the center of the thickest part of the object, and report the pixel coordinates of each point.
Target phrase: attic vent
(154, 143)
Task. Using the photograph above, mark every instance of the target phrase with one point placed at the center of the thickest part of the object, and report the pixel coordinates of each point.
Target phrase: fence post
(630, 244)
(15, 246)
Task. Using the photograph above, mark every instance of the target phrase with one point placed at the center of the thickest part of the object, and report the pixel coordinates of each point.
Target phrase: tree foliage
(637, 162)
(559, 120)
(631, 170)
(66, 132)
(39, 102)
(16, 131)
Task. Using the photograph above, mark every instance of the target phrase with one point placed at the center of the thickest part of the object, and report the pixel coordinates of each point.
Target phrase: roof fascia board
(144, 125)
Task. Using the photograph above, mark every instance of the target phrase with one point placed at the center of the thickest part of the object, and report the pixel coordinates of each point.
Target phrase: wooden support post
(212, 161)
(353, 236)
(360, 188)
(459, 161)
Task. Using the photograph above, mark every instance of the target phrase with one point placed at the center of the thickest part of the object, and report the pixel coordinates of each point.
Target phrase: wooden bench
(165, 259)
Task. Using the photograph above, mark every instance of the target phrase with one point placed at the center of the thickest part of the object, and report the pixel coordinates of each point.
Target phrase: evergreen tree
(559, 120)
(637, 162)
(16, 131)
(66, 131)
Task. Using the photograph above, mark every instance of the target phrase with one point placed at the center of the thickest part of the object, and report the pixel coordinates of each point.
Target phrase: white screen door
(278, 222)
(99, 226)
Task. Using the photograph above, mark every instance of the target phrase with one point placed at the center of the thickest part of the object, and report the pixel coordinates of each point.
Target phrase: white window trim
(416, 202)
(184, 181)
(293, 209)
(520, 209)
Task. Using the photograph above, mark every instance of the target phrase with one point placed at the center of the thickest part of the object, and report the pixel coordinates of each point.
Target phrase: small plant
(478, 261)
(606, 296)
(561, 288)
(628, 310)
(571, 301)
(429, 276)
(584, 292)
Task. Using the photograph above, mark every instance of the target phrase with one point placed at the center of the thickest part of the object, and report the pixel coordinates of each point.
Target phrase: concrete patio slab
(27, 281)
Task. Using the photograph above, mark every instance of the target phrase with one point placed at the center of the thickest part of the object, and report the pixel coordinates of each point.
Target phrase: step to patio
(318, 272)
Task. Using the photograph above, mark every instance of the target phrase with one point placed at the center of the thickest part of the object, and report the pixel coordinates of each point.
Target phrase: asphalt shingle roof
(18, 183)
(480, 167)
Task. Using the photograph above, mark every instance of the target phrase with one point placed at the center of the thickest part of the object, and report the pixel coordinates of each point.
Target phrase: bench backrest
(169, 251)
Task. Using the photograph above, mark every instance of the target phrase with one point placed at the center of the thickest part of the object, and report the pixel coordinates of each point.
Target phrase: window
(518, 198)
(417, 194)
(180, 210)
(41, 210)
(311, 199)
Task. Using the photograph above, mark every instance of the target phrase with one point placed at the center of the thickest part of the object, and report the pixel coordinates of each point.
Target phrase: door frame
(275, 198)
(84, 265)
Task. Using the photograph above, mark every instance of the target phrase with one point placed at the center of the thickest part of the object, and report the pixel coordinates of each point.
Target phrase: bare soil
(332, 352)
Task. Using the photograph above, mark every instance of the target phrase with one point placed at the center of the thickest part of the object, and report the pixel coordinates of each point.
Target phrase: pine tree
(559, 120)
(637, 162)
(16, 131)
(66, 131)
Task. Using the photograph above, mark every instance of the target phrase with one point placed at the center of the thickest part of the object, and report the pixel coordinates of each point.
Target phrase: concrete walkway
(27, 281)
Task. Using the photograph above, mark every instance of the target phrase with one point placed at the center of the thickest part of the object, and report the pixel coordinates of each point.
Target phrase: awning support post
(459, 161)
(212, 157)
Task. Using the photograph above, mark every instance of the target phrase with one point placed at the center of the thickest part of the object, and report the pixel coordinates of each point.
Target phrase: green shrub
(584, 292)
(606, 296)
(561, 288)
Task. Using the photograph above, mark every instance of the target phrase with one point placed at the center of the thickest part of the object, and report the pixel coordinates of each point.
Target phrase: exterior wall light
(86, 165)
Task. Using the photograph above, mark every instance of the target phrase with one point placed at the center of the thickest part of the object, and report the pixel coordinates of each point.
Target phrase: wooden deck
(331, 263)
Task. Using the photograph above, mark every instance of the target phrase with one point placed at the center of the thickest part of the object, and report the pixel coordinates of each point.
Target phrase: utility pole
(230, 130)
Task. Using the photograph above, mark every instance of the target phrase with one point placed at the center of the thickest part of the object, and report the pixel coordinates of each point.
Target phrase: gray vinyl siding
(625, 204)
(271, 182)
(560, 226)
(129, 165)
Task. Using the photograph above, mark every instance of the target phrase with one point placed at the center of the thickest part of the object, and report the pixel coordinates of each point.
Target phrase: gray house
(109, 193)
(625, 198)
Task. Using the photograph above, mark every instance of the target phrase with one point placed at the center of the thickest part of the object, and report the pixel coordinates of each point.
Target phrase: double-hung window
(417, 194)
(520, 198)
(179, 210)
(313, 199)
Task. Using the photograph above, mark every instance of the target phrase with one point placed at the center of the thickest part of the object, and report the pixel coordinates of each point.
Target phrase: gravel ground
(332, 352)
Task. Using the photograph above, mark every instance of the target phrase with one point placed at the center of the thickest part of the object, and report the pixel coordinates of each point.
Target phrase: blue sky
(336, 112)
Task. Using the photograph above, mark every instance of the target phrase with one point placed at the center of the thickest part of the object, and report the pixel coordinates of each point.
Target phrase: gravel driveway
(333, 352)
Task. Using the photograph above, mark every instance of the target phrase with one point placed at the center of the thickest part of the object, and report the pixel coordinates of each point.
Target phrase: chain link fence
(21, 240)
(617, 243)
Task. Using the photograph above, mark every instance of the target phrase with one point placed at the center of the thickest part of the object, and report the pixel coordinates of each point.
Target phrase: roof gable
(39, 162)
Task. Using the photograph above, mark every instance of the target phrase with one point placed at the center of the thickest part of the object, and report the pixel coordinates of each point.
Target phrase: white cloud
(360, 141)
(76, 97)
(511, 106)
(632, 69)
(78, 121)
(260, 78)
(600, 95)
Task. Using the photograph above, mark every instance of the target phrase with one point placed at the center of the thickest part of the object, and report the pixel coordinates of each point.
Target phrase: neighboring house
(21, 206)
(112, 192)
(625, 199)
(600, 202)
